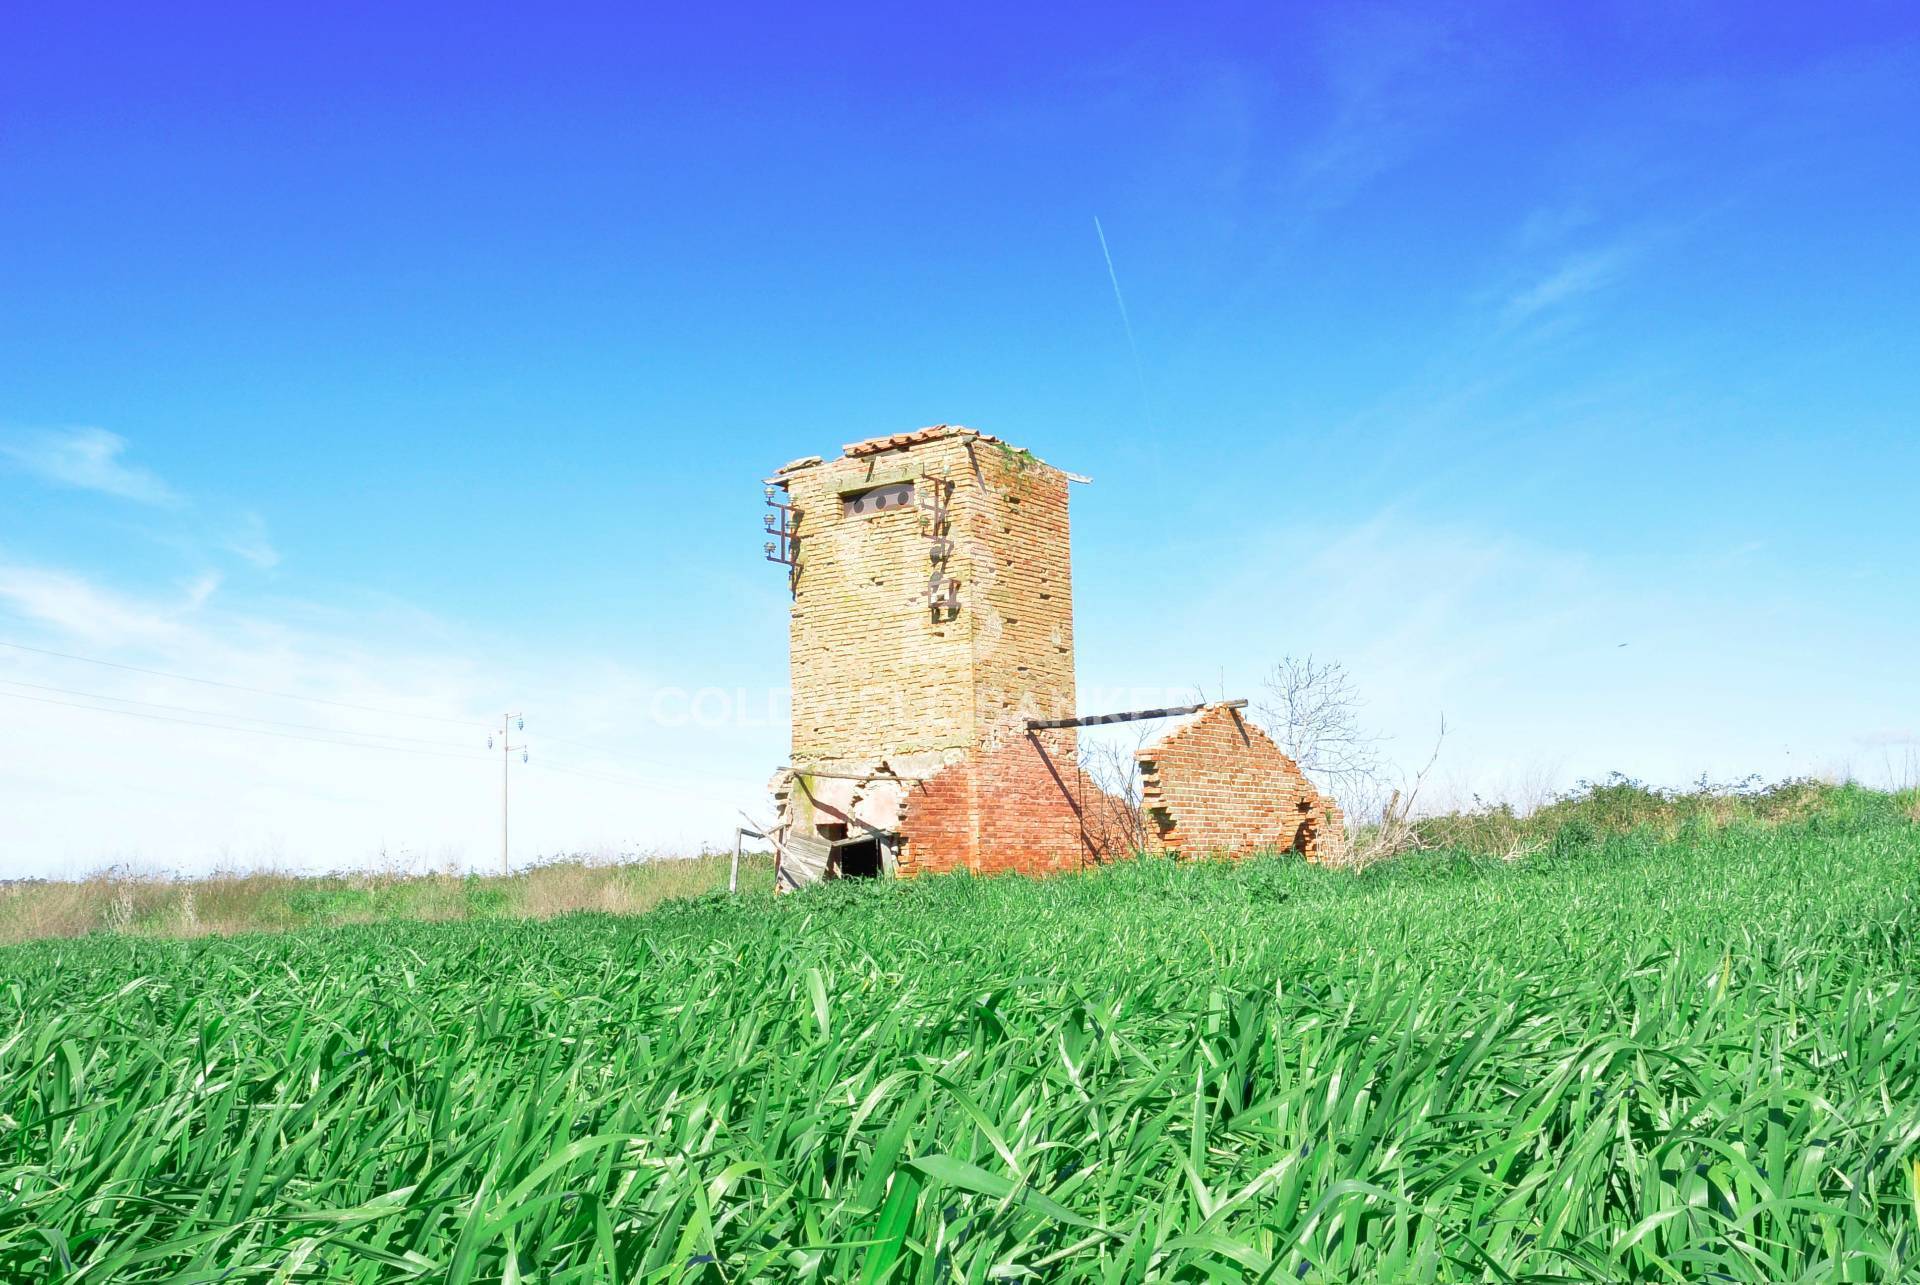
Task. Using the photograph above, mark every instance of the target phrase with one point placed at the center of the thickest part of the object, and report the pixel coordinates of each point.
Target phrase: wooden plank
(1131, 716)
(806, 860)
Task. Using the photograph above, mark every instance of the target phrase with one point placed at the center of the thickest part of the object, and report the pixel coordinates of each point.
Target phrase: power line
(629, 755)
(250, 731)
(609, 778)
(605, 778)
(436, 749)
(240, 687)
(214, 713)
(601, 778)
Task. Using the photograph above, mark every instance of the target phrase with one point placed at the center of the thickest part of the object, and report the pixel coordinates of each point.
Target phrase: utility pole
(509, 724)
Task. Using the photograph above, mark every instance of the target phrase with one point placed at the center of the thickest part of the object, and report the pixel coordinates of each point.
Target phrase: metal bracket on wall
(934, 495)
(783, 524)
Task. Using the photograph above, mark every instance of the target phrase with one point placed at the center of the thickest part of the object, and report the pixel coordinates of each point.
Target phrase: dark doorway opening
(859, 859)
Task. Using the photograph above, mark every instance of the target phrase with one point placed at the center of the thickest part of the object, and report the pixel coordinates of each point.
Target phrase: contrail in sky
(1139, 371)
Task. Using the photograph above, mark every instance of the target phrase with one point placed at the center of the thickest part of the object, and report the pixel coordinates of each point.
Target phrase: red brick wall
(1013, 809)
(937, 823)
(1219, 785)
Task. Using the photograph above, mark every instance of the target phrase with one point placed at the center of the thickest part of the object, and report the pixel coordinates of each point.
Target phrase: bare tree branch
(1312, 711)
(1115, 822)
(1395, 833)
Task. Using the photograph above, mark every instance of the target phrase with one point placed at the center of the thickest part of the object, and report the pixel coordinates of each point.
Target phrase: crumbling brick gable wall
(1218, 785)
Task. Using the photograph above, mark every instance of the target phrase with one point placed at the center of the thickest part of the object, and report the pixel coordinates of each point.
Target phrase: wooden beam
(852, 776)
(1131, 716)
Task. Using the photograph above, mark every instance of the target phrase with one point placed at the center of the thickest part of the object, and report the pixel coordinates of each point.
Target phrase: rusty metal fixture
(782, 524)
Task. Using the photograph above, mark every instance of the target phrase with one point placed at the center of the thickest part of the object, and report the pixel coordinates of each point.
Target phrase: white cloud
(1395, 76)
(1574, 278)
(329, 736)
(1519, 644)
(93, 459)
(1550, 224)
(79, 609)
(87, 459)
(201, 588)
(248, 541)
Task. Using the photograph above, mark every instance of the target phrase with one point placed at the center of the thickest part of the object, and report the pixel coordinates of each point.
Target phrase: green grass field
(1680, 1047)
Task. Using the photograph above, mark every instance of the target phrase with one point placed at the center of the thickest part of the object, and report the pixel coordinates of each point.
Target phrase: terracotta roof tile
(898, 441)
(893, 441)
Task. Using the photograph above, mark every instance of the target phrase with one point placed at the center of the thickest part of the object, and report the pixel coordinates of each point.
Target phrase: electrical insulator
(521, 723)
(489, 742)
(523, 756)
(769, 548)
(769, 493)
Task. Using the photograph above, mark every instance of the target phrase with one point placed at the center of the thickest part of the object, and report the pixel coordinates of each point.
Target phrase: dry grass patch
(224, 904)
(628, 887)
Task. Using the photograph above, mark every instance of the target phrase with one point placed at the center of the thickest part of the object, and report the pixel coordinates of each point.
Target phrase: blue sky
(426, 359)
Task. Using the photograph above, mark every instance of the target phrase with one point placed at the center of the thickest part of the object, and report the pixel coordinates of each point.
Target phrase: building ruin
(934, 723)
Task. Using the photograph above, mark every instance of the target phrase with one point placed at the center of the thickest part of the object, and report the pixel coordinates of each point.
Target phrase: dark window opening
(879, 499)
(859, 859)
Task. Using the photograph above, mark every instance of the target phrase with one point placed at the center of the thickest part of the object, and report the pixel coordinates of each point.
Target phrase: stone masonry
(932, 617)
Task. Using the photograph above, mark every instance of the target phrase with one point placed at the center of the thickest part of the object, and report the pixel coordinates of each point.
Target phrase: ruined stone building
(934, 725)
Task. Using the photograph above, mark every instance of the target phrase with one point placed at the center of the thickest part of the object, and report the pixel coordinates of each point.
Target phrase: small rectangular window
(879, 499)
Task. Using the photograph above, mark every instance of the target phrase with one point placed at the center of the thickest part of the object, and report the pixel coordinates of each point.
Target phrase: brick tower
(932, 618)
